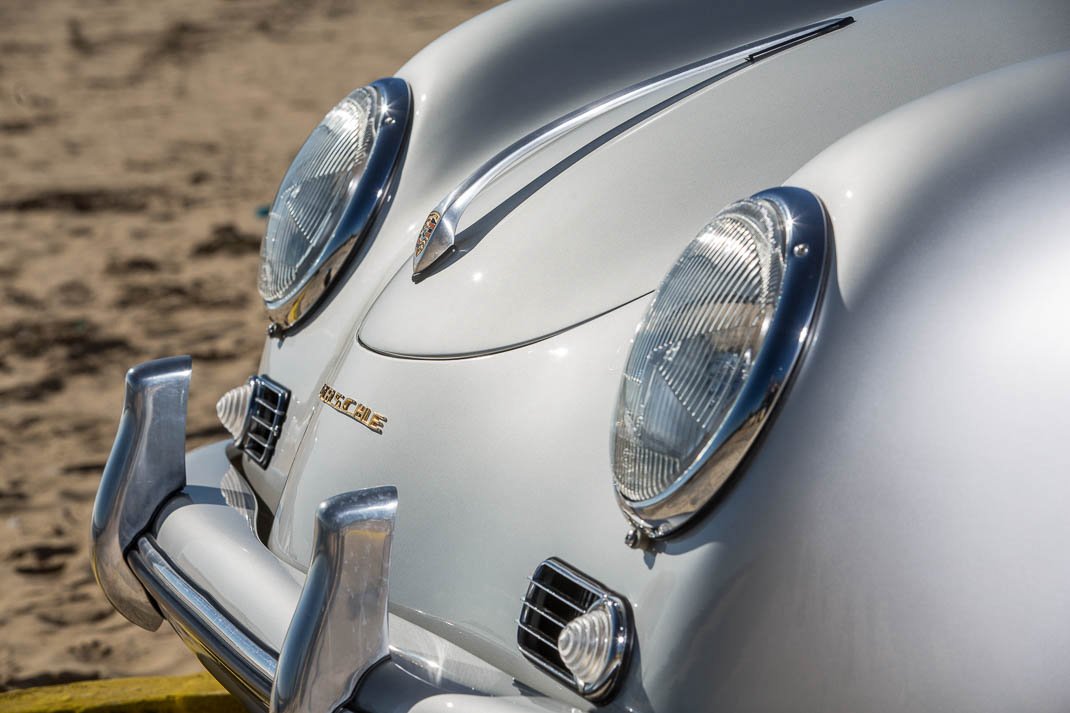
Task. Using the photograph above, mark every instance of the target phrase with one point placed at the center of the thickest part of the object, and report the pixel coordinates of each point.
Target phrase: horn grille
(263, 421)
(556, 595)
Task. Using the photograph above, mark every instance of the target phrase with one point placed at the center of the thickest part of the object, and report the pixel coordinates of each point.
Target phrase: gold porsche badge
(427, 231)
(352, 408)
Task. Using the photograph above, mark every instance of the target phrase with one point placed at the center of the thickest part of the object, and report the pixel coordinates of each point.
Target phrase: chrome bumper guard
(339, 629)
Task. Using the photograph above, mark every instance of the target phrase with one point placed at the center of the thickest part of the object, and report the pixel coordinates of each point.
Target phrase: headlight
(330, 196)
(715, 349)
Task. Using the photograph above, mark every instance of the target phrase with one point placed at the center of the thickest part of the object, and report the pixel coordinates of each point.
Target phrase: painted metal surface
(605, 230)
(894, 542)
(855, 557)
(484, 516)
(208, 540)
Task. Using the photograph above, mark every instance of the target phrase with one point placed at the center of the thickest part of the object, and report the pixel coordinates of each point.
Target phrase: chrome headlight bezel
(364, 200)
(807, 250)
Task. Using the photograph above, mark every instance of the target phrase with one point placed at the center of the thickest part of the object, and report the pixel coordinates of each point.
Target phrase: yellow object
(163, 694)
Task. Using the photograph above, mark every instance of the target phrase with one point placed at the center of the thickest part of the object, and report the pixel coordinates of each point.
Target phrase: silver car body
(894, 542)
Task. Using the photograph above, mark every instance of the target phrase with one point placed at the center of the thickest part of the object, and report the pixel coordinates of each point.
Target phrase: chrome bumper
(225, 648)
(339, 628)
(147, 466)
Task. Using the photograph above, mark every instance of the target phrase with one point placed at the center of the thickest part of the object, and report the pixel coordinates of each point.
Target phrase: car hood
(593, 221)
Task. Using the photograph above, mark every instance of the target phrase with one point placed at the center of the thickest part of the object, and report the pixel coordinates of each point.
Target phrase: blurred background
(140, 143)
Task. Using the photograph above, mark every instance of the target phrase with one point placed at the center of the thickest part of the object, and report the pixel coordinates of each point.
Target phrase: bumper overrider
(338, 631)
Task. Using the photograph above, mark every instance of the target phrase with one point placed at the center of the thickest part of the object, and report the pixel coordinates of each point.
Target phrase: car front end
(510, 449)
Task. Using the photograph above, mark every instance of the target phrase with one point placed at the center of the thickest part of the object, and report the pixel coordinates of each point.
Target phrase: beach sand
(138, 141)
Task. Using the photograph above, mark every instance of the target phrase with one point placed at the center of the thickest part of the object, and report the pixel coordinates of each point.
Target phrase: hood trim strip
(441, 239)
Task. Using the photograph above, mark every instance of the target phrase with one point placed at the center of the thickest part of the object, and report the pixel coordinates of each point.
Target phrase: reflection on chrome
(146, 466)
(339, 629)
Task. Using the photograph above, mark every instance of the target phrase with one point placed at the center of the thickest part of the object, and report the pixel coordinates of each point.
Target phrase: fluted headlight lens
(698, 381)
(314, 192)
(329, 195)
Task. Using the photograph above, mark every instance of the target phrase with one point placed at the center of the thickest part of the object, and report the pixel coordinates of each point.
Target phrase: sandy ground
(137, 142)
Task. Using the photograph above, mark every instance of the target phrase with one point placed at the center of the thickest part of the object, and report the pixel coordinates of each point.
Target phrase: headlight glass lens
(696, 348)
(315, 192)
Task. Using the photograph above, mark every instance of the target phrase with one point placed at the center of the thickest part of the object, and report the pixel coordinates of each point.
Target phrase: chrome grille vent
(263, 421)
(556, 595)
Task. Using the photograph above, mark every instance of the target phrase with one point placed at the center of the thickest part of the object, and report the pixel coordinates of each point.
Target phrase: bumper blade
(339, 630)
(146, 466)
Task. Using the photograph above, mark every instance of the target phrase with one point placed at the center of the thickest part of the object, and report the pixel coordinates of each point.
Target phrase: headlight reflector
(718, 342)
(329, 197)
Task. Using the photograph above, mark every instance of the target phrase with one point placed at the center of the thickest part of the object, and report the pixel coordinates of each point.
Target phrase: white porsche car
(645, 355)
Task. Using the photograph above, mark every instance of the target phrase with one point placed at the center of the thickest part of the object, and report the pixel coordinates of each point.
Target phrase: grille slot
(263, 421)
(556, 595)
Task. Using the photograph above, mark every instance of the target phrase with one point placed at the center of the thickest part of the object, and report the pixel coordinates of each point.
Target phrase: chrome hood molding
(438, 236)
